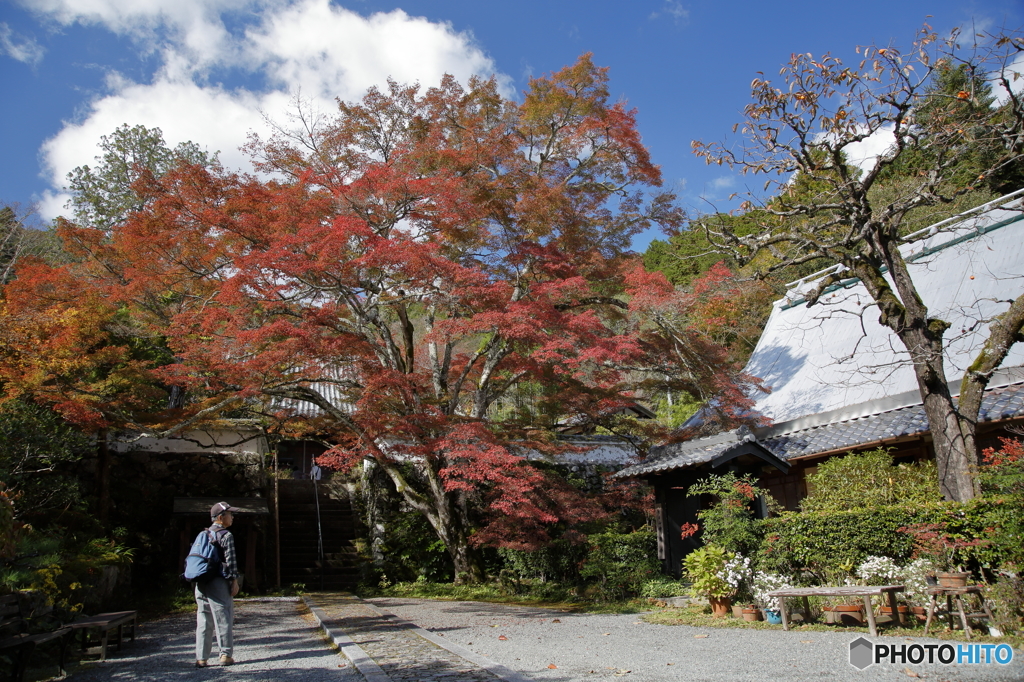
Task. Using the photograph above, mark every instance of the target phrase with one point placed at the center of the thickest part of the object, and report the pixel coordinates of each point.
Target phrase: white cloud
(725, 182)
(1014, 74)
(318, 47)
(674, 9)
(22, 48)
(306, 46)
(863, 154)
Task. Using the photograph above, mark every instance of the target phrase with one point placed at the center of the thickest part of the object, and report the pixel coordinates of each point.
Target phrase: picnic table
(104, 624)
(864, 591)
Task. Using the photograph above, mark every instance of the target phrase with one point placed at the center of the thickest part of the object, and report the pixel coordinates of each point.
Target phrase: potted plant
(763, 584)
(948, 553)
(706, 569)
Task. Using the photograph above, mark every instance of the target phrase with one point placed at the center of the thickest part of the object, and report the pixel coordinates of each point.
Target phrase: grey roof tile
(1004, 402)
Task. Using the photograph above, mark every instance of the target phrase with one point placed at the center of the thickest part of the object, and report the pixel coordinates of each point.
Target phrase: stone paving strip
(387, 649)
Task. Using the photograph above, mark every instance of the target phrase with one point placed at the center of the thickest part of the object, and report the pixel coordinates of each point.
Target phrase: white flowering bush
(765, 583)
(737, 573)
(914, 578)
(879, 570)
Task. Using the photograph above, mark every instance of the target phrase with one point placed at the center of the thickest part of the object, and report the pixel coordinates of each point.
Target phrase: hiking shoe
(201, 664)
(226, 660)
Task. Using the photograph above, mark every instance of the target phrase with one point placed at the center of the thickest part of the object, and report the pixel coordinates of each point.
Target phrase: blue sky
(211, 70)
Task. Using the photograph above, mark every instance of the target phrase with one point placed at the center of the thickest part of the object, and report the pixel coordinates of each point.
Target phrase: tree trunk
(451, 524)
(953, 438)
(953, 435)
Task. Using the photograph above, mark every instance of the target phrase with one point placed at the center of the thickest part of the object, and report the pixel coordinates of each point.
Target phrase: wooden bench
(103, 624)
(863, 591)
(18, 643)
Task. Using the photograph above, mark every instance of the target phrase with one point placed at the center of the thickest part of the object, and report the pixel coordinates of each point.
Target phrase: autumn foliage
(416, 260)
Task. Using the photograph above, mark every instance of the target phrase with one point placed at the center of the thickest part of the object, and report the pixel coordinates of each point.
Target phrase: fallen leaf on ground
(910, 673)
(552, 666)
(700, 636)
(502, 638)
(494, 626)
(555, 620)
(670, 664)
(606, 633)
(807, 641)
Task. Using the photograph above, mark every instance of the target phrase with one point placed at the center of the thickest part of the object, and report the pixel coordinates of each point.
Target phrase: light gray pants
(215, 614)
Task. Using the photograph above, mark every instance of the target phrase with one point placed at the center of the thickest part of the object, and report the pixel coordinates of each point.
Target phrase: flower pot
(901, 608)
(920, 613)
(737, 611)
(720, 607)
(953, 579)
(849, 614)
(773, 616)
(751, 615)
(830, 615)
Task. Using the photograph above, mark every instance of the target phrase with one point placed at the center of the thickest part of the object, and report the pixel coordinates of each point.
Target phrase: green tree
(38, 447)
(104, 195)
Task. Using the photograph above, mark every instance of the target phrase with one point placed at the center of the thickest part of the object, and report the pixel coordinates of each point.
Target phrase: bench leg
(897, 616)
(807, 610)
(103, 645)
(21, 656)
(64, 642)
(782, 610)
(871, 616)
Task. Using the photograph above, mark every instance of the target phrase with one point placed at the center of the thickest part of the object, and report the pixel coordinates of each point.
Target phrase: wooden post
(277, 524)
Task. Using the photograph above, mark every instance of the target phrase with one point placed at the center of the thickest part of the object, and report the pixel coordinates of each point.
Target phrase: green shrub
(705, 568)
(663, 586)
(730, 522)
(866, 480)
(830, 544)
(1002, 483)
(620, 563)
(1007, 596)
(560, 562)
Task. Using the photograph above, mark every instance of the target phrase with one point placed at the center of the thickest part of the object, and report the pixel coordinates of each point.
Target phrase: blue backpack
(205, 558)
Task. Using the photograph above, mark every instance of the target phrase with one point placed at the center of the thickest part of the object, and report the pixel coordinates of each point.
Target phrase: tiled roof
(682, 455)
(331, 387)
(1004, 402)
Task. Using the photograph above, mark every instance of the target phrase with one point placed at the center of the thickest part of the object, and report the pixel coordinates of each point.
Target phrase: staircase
(300, 562)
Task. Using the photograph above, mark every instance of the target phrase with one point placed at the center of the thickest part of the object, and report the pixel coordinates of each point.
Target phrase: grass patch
(547, 595)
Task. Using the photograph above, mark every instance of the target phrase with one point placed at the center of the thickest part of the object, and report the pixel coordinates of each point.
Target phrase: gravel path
(279, 641)
(274, 641)
(596, 647)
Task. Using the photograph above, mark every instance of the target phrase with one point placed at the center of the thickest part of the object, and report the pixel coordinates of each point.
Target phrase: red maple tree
(429, 258)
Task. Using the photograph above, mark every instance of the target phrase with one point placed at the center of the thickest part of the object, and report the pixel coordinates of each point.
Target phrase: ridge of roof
(795, 296)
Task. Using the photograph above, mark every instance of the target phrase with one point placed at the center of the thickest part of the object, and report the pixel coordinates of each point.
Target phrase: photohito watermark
(864, 653)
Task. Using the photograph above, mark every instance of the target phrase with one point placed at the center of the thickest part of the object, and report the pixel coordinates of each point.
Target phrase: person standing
(214, 598)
